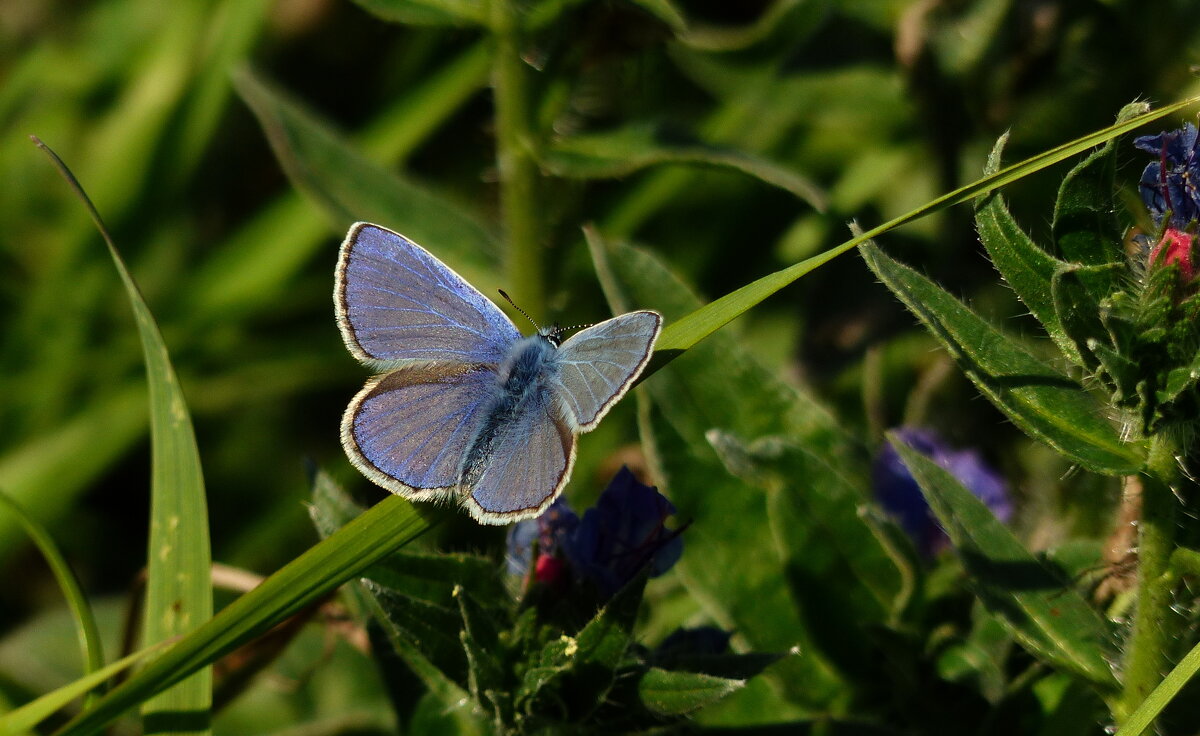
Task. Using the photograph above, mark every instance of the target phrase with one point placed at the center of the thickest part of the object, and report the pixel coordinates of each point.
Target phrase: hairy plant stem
(515, 163)
(1155, 627)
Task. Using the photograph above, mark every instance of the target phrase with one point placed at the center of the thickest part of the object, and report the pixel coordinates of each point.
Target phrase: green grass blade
(178, 586)
(691, 329)
(348, 187)
(22, 720)
(373, 535)
(1143, 718)
(621, 152)
(85, 621)
(257, 263)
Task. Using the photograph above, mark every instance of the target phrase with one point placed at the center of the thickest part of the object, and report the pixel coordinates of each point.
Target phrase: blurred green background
(879, 106)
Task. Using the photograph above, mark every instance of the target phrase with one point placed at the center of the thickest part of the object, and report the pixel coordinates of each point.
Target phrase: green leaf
(1043, 402)
(831, 502)
(687, 330)
(85, 620)
(606, 638)
(575, 673)
(740, 577)
(621, 152)
(1124, 373)
(178, 577)
(480, 638)
(350, 188)
(423, 628)
(418, 618)
(716, 38)
(1078, 310)
(1085, 227)
(428, 12)
(378, 532)
(1046, 615)
(678, 693)
(1025, 266)
(835, 561)
(1179, 380)
(23, 719)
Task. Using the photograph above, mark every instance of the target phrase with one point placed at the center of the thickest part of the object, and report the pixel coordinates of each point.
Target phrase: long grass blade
(373, 535)
(21, 720)
(85, 621)
(1142, 718)
(691, 329)
(178, 588)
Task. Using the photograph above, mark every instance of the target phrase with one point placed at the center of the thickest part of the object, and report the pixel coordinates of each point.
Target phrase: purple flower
(1172, 183)
(625, 532)
(900, 495)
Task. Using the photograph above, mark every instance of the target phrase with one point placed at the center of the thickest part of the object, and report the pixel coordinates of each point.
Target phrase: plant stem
(1148, 655)
(515, 163)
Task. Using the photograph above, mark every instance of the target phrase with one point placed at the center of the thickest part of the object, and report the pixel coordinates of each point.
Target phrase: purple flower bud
(897, 491)
(1172, 183)
(625, 532)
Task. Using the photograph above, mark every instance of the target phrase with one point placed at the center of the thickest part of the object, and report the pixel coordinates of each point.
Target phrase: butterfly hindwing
(409, 430)
(526, 466)
(597, 366)
(397, 302)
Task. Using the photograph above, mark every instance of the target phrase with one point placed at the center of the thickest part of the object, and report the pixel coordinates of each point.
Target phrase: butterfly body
(470, 410)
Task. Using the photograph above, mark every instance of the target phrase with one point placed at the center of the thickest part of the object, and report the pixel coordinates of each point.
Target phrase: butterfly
(467, 408)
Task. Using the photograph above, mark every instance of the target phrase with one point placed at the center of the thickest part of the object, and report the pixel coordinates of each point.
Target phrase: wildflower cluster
(1147, 353)
(561, 656)
(624, 533)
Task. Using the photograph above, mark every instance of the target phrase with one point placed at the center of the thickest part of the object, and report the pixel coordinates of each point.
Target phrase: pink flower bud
(1175, 247)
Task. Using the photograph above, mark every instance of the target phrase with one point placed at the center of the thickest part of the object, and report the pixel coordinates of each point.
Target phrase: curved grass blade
(85, 621)
(349, 188)
(716, 38)
(23, 719)
(1143, 718)
(370, 537)
(691, 329)
(178, 587)
(618, 153)
(254, 265)
(427, 12)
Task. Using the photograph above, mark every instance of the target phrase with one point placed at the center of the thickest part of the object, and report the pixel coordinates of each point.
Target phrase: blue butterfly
(468, 409)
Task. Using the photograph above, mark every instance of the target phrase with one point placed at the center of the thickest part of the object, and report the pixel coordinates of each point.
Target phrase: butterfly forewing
(596, 366)
(396, 302)
(409, 430)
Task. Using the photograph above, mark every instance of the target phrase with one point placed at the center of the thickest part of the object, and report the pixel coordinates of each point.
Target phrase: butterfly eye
(552, 334)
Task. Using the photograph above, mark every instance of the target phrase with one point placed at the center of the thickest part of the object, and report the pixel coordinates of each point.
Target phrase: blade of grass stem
(373, 535)
(85, 621)
(691, 329)
(178, 587)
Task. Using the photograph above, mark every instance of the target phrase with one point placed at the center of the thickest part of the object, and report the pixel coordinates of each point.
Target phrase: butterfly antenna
(522, 311)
